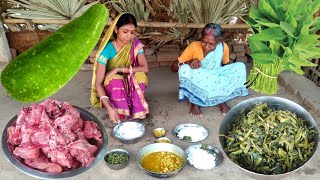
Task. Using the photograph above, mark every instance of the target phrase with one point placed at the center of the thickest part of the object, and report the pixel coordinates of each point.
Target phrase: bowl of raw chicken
(54, 139)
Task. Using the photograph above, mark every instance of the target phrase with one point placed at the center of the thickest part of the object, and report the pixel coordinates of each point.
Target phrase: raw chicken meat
(43, 164)
(52, 137)
(27, 152)
(82, 151)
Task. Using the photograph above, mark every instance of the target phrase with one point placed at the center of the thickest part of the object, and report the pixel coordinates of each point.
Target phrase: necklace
(116, 46)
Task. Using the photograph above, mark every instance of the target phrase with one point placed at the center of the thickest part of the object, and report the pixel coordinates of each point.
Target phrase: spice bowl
(163, 140)
(117, 159)
(159, 132)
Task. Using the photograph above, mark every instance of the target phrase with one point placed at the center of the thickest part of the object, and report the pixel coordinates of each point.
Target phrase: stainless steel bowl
(163, 140)
(210, 149)
(159, 132)
(132, 126)
(197, 133)
(157, 147)
(19, 164)
(273, 102)
(117, 166)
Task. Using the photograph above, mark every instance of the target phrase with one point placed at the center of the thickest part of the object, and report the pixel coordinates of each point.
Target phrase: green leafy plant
(284, 38)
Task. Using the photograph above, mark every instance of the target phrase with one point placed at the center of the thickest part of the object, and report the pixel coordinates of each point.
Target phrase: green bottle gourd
(46, 67)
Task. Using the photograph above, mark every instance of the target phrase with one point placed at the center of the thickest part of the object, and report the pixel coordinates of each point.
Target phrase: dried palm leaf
(48, 9)
(135, 7)
(252, 3)
(216, 11)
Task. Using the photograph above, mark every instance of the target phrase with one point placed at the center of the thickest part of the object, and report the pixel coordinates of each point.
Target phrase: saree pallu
(212, 84)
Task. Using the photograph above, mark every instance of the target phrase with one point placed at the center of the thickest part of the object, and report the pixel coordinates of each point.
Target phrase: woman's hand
(113, 115)
(195, 64)
(112, 72)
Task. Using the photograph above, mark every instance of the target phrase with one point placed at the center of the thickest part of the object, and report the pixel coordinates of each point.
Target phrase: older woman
(119, 77)
(205, 78)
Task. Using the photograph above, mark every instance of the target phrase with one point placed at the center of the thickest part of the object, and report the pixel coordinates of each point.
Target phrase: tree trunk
(5, 54)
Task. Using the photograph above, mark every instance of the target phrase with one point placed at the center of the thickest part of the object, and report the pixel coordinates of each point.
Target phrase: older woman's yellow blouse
(194, 50)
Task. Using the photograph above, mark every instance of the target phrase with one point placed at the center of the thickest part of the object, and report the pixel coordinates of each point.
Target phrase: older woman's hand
(195, 64)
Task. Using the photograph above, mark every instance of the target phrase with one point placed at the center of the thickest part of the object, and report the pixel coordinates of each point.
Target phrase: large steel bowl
(19, 164)
(157, 147)
(273, 102)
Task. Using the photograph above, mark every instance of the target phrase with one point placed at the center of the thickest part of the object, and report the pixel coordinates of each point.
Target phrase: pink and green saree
(126, 92)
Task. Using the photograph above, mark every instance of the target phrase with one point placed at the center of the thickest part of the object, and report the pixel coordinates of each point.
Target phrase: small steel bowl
(157, 147)
(159, 132)
(163, 140)
(117, 166)
(211, 150)
(128, 126)
(20, 165)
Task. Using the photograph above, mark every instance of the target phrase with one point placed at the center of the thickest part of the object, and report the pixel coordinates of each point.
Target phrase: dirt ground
(166, 112)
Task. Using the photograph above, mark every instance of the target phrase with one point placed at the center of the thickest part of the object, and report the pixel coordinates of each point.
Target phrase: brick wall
(239, 52)
(167, 54)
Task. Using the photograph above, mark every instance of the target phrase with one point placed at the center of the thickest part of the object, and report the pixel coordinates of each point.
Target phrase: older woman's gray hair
(212, 29)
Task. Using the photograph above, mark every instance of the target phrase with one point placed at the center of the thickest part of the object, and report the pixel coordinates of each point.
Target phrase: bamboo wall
(313, 73)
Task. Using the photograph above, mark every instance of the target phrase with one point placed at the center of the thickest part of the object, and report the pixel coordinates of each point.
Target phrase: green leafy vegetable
(205, 147)
(187, 138)
(270, 141)
(116, 158)
(287, 28)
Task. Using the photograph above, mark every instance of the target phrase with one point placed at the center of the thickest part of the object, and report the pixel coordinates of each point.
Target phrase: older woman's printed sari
(213, 83)
(126, 92)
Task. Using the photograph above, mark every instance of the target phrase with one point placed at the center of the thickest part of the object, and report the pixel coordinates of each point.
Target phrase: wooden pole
(38, 21)
(188, 25)
(140, 24)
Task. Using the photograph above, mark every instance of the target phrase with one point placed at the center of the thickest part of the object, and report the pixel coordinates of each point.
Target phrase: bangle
(130, 70)
(104, 97)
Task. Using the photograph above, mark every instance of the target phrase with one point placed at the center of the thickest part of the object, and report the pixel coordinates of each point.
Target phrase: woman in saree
(119, 78)
(206, 78)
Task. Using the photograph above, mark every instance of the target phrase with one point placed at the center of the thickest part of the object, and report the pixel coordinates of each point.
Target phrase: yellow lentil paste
(162, 162)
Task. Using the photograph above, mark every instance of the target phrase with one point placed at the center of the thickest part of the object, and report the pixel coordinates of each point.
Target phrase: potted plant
(284, 38)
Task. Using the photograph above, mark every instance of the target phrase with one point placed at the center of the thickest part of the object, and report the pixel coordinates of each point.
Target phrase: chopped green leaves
(270, 141)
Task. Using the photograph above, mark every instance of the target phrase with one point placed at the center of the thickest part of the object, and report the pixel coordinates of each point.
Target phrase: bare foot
(224, 108)
(195, 111)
